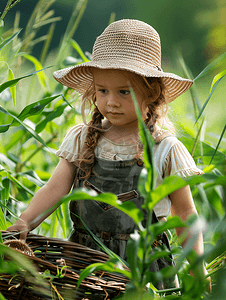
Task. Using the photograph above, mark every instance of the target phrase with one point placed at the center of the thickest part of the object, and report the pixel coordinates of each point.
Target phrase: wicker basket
(52, 254)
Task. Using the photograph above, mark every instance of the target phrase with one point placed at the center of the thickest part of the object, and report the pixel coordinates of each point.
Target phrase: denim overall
(109, 224)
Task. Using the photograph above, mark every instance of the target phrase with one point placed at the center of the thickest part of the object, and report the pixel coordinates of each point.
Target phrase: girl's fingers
(23, 236)
(20, 227)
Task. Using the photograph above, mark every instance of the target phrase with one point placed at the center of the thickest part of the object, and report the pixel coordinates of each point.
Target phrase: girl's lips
(114, 113)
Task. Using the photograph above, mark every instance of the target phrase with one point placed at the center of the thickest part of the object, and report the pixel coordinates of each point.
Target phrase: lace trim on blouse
(171, 156)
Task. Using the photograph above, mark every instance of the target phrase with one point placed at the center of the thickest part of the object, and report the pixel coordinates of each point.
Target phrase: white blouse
(170, 157)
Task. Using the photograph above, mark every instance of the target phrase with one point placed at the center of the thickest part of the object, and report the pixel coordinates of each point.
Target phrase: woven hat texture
(130, 45)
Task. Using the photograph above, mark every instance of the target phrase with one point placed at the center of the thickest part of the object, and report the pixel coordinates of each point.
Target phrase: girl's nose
(112, 101)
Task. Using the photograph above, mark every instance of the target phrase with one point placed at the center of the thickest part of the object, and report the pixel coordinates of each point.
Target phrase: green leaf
(61, 220)
(171, 184)
(20, 185)
(1, 296)
(207, 150)
(11, 83)
(109, 266)
(34, 109)
(21, 261)
(43, 79)
(132, 255)
(214, 85)
(3, 225)
(76, 46)
(54, 223)
(218, 144)
(213, 65)
(148, 143)
(5, 191)
(67, 223)
(127, 207)
(12, 89)
(10, 164)
(32, 177)
(30, 110)
(29, 129)
(193, 90)
(54, 114)
(171, 223)
(7, 41)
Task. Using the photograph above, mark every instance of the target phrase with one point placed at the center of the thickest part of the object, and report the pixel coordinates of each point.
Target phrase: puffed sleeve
(180, 162)
(72, 144)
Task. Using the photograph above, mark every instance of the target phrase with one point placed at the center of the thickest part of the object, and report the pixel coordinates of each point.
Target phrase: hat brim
(80, 77)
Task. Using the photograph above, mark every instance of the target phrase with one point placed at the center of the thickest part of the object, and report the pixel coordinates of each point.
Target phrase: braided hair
(86, 162)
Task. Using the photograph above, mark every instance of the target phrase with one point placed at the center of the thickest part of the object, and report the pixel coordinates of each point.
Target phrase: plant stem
(196, 139)
(36, 151)
(9, 5)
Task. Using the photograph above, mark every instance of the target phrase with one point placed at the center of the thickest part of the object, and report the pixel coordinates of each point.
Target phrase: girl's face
(113, 97)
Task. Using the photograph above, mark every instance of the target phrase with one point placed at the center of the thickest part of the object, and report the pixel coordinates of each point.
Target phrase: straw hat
(130, 45)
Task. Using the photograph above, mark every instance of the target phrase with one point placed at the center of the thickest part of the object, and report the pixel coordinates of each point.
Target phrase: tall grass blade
(77, 15)
(61, 220)
(39, 7)
(193, 91)
(54, 223)
(37, 15)
(112, 18)
(5, 190)
(13, 82)
(10, 39)
(29, 129)
(46, 16)
(3, 225)
(21, 261)
(218, 144)
(212, 66)
(76, 46)
(20, 185)
(10, 4)
(72, 26)
(16, 27)
(127, 207)
(109, 266)
(43, 79)
(66, 219)
(12, 88)
(197, 139)
(174, 183)
(51, 20)
(2, 297)
(30, 110)
(148, 143)
(47, 42)
(54, 114)
(214, 85)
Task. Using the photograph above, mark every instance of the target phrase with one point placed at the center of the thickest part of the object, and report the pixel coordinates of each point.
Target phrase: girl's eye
(103, 91)
(124, 92)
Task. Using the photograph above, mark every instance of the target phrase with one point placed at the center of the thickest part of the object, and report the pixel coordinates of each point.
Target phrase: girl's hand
(22, 227)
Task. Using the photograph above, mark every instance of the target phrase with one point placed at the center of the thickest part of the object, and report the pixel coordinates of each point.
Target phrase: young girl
(106, 155)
